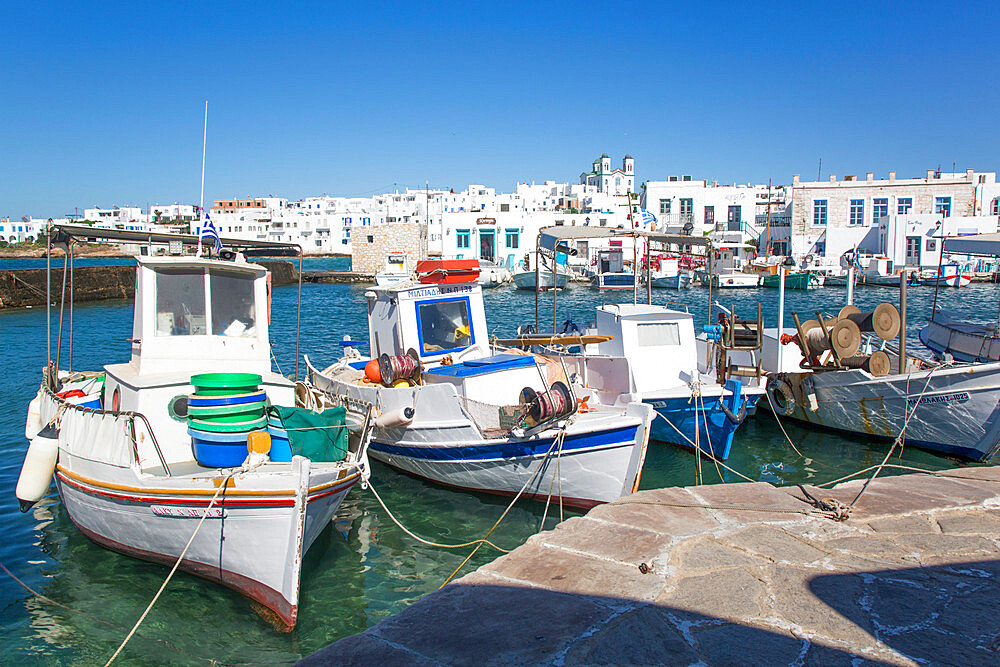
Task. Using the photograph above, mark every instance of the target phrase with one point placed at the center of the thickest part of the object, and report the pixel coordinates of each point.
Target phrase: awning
(549, 237)
(977, 244)
(87, 233)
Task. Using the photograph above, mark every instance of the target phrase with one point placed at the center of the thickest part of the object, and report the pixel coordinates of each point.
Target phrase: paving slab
(912, 577)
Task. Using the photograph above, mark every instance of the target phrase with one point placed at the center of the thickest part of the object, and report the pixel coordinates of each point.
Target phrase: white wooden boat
(122, 454)
(955, 409)
(461, 422)
(678, 281)
(950, 275)
(650, 355)
(611, 272)
(492, 274)
(728, 279)
(964, 341)
(396, 270)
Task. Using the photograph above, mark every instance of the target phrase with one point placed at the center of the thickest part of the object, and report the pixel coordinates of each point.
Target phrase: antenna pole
(201, 199)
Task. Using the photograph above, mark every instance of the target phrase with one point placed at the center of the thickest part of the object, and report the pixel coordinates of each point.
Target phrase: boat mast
(767, 237)
(201, 199)
(937, 281)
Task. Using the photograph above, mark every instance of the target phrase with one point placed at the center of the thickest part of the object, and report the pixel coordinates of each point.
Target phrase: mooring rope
(173, 569)
(680, 433)
(509, 507)
(422, 540)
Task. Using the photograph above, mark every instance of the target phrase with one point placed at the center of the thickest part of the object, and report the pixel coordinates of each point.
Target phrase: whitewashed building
(831, 217)
(914, 239)
(684, 205)
(114, 215)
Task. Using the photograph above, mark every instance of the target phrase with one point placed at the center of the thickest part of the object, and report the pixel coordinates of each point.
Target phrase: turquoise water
(362, 568)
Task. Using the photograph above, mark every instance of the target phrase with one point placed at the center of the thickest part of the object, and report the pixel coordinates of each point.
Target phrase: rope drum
(547, 405)
(399, 369)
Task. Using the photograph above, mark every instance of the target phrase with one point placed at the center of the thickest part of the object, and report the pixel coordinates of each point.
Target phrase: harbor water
(362, 568)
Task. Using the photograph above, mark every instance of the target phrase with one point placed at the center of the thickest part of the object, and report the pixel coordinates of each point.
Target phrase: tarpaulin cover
(318, 436)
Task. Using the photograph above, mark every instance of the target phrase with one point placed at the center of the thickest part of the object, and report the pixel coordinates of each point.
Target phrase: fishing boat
(611, 273)
(396, 270)
(800, 280)
(170, 457)
(540, 276)
(670, 275)
(456, 411)
(728, 279)
(647, 353)
(879, 391)
(950, 334)
(948, 275)
(492, 274)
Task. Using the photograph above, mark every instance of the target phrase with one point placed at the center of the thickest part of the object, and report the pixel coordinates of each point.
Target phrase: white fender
(400, 417)
(39, 464)
(33, 422)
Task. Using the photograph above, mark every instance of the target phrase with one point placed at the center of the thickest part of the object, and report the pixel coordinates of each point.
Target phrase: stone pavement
(678, 576)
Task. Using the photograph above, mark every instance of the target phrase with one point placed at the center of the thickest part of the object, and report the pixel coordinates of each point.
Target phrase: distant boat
(611, 272)
(729, 279)
(798, 280)
(949, 276)
(396, 270)
(679, 281)
(492, 274)
(525, 277)
(964, 341)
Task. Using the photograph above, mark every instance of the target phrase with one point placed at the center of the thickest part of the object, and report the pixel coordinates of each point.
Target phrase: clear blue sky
(102, 104)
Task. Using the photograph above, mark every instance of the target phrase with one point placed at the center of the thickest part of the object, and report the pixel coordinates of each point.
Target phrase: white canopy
(974, 244)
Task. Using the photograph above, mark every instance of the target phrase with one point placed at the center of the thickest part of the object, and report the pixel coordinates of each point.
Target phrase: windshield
(444, 326)
(232, 304)
(180, 302)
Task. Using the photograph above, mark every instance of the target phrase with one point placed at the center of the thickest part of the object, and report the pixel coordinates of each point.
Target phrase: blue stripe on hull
(717, 429)
(508, 449)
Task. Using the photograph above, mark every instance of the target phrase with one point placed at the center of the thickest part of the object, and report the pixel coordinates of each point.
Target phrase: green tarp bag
(319, 436)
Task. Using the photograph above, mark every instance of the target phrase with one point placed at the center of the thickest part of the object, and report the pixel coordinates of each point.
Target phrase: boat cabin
(658, 344)
(192, 315)
(436, 320)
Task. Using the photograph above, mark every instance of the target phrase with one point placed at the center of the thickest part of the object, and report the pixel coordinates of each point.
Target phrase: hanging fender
(782, 400)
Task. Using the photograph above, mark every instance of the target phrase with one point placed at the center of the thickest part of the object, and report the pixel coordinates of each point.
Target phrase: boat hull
(801, 281)
(677, 421)
(966, 343)
(265, 536)
(680, 281)
(955, 410)
(613, 281)
(592, 467)
(526, 280)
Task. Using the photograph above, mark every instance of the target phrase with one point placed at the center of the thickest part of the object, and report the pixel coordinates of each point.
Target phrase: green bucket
(228, 427)
(220, 384)
(228, 413)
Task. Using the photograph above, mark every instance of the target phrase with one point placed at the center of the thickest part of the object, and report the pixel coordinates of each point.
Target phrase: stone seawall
(26, 287)
(727, 574)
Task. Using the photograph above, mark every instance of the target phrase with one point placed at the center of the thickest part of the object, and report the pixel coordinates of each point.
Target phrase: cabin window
(444, 325)
(659, 333)
(232, 304)
(180, 303)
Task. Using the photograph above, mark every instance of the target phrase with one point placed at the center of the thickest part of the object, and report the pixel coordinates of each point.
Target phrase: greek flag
(647, 217)
(207, 231)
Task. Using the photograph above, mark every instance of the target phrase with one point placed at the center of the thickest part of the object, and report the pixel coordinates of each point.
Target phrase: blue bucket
(218, 450)
(281, 449)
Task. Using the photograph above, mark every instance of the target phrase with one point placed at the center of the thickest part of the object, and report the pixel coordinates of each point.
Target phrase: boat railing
(129, 415)
(680, 306)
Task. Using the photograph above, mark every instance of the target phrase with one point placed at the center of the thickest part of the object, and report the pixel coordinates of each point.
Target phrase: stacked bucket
(224, 409)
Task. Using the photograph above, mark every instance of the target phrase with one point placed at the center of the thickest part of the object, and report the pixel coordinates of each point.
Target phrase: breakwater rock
(26, 287)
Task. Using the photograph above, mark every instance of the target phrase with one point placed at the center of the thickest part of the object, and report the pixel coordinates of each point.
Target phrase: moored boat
(459, 413)
(154, 452)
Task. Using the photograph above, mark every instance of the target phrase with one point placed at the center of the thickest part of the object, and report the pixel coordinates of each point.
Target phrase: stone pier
(728, 574)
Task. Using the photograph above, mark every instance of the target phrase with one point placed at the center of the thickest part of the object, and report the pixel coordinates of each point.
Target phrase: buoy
(372, 371)
(400, 417)
(39, 464)
(33, 422)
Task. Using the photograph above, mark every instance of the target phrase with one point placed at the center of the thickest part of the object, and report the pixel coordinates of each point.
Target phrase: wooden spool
(883, 321)
(844, 334)
(877, 363)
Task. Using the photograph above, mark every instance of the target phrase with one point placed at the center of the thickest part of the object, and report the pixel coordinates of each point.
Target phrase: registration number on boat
(186, 512)
(960, 397)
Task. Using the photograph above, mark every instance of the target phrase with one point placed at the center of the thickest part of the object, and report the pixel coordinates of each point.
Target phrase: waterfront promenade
(727, 574)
